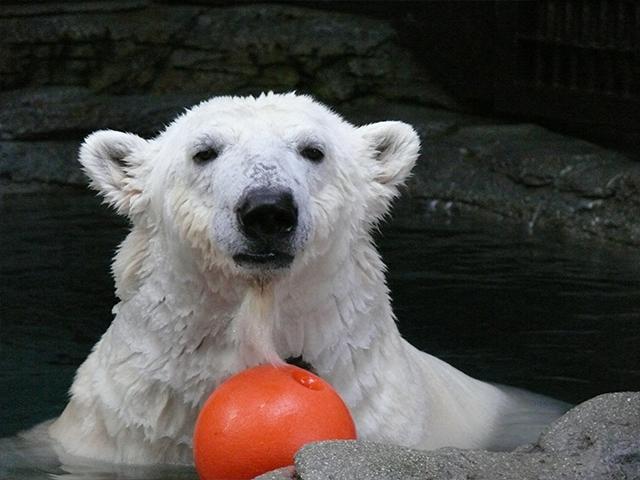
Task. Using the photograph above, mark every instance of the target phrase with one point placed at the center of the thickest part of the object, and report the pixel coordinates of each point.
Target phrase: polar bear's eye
(205, 155)
(312, 153)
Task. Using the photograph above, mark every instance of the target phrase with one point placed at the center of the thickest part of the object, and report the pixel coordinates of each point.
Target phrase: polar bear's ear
(111, 160)
(395, 147)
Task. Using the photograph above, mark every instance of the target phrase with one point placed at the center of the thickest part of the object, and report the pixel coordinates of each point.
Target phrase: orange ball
(258, 419)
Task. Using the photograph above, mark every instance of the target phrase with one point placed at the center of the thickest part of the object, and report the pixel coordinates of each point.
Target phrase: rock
(285, 473)
(134, 47)
(72, 112)
(533, 176)
(605, 429)
(68, 69)
(48, 162)
(599, 439)
(522, 173)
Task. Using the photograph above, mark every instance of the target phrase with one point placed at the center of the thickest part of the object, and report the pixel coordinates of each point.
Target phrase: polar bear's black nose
(267, 214)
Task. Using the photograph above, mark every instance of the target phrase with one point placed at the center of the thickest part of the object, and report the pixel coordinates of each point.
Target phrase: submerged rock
(598, 439)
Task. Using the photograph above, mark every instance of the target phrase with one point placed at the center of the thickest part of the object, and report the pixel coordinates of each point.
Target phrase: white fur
(189, 317)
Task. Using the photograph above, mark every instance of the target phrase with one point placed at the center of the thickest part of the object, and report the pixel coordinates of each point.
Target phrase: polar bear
(251, 243)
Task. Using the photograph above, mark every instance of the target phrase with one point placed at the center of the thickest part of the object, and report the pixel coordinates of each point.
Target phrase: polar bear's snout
(268, 218)
(267, 215)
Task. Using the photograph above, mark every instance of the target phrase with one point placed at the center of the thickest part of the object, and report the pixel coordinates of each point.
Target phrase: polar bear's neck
(176, 311)
(340, 300)
(318, 304)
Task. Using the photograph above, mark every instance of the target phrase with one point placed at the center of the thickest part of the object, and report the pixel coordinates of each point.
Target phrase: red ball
(258, 419)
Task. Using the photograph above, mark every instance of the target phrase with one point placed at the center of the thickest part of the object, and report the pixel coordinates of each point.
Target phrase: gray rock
(135, 47)
(285, 473)
(607, 426)
(533, 176)
(48, 162)
(599, 439)
(71, 112)
(521, 173)
(68, 69)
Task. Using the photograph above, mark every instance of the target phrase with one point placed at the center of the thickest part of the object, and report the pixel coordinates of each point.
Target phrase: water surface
(529, 310)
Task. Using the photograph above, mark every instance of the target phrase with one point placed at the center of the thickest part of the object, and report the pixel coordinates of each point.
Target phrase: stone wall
(58, 57)
(67, 69)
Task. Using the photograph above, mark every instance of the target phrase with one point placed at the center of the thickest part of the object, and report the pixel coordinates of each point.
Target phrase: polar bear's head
(254, 186)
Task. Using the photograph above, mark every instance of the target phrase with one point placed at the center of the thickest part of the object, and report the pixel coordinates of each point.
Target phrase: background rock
(535, 177)
(48, 162)
(67, 69)
(135, 47)
(522, 173)
(71, 112)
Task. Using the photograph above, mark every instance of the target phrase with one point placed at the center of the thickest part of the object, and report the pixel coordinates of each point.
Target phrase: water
(504, 306)
(538, 313)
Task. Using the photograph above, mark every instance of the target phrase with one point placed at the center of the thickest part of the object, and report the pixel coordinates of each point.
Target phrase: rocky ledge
(598, 439)
(517, 172)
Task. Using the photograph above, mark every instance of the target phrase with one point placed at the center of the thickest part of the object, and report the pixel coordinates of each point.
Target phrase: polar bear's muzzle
(268, 218)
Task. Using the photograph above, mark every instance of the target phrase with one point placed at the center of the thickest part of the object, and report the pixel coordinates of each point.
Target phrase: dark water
(535, 312)
(501, 305)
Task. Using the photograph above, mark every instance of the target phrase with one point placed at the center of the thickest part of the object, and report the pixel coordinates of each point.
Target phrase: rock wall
(520, 173)
(67, 69)
(120, 49)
